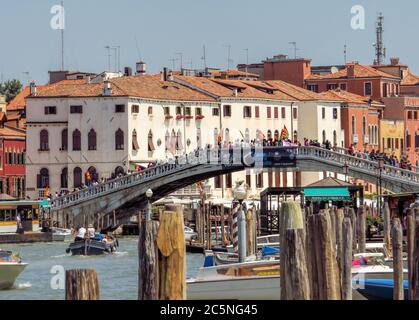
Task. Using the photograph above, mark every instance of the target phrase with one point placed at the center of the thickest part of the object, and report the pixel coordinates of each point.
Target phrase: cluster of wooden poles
(317, 251)
(316, 254)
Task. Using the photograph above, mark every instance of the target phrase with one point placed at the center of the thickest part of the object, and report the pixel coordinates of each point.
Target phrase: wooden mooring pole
(172, 257)
(361, 233)
(387, 229)
(339, 238)
(411, 223)
(81, 284)
(325, 278)
(397, 238)
(294, 276)
(346, 263)
(148, 263)
(415, 260)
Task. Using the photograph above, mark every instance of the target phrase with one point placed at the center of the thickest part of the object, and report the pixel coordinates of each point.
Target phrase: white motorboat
(11, 267)
(59, 234)
(271, 240)
(190, 234)
(241, 281)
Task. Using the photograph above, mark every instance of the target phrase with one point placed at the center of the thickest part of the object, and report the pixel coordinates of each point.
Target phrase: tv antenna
(109, 57)
(247, 58)
(173, 60)
(229, 60)
(117, 57)
(294, 44)
(180, 54)
(380, 50)
(204, 58)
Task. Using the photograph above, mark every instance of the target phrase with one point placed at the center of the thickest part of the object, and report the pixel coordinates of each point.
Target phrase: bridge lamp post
(240, 194)
(380, 190)
(346, 171)
(148, 194)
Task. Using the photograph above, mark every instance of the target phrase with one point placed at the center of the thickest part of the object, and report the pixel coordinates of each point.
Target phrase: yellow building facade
(392, 137)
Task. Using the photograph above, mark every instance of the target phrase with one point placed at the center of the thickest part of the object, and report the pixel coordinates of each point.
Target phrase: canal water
(118, 273)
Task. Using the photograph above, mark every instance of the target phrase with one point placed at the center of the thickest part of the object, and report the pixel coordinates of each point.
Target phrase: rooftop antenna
(204, 58)
(25, 72)
(62, 38)
(138, 49)
(345, 47)
(380, 50)
(180, 54)
(247, 57)
(229, 60)
(109, 57)
(173, 63)
(117, 57)
(294, 44)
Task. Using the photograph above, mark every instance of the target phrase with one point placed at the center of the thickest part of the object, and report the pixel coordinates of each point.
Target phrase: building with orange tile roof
(126, 122)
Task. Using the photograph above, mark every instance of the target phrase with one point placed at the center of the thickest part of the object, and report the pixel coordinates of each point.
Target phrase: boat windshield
(8, 256)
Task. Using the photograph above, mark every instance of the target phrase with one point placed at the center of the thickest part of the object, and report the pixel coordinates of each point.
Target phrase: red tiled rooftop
(360, 71)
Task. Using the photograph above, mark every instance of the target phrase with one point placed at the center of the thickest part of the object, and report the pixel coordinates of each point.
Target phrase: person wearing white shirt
(81, 232)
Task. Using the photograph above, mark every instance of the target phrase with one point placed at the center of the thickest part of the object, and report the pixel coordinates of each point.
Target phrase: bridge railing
(352, 161)
(225, 156)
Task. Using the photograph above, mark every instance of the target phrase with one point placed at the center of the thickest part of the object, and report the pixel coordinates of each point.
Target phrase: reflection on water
(118, 273)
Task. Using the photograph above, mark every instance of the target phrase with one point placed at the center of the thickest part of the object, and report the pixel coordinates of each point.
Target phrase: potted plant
(179, 117)
(168, 116)
(199, 117)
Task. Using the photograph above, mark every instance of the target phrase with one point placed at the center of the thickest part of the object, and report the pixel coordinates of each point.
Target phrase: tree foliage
(10, 89)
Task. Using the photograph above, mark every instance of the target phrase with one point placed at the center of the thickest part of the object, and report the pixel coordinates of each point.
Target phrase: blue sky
(155, 30)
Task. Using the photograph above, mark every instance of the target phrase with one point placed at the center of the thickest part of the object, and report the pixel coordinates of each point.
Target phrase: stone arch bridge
(128, 193)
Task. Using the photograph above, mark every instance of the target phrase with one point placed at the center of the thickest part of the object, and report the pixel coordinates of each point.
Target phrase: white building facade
(85, 132)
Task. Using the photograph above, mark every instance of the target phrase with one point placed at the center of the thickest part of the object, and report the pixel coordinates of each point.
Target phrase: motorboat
(190, 234)
(95, 246)
(11, 266)
(271, 240)
(239, 281)
(60, 234)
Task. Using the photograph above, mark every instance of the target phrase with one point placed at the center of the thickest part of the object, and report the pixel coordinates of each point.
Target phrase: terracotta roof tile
(348, 97)
(18, 103)
(360, 71)
(11, 133)
(410, 80)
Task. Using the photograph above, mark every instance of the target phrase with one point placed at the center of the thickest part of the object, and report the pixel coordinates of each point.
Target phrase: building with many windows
(81, 132)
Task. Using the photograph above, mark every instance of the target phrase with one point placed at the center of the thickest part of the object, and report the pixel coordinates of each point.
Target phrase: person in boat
(91, 232)
(80, 233)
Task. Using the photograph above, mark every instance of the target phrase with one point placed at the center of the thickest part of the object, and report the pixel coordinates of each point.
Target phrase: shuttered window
(151, 147)
(64, 140)
(92, 140)
(119, 140)
(76, 140)
(44, 140)
(135, 145)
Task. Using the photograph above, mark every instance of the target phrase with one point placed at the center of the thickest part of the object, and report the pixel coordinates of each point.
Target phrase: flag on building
(284, 133)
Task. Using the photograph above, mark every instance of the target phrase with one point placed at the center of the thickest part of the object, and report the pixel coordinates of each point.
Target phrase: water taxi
(11, 267)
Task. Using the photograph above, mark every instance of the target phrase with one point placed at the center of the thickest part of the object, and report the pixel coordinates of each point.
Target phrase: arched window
(269, 135)
(364, 125)
(91, 140)
(119, 171)
(77, 177)
(353, 125)
(76, 140)
(167, 140)
(43, 140)
(64, 139)
(179, 143)
(295, 135)
(198, 138)
(119, 139)
(150, 142)
(135, 145)
(276, 135)
(324, 136)
(335, 138)
(64, 178)
(91, 175)
(43, 179)
(227, 135)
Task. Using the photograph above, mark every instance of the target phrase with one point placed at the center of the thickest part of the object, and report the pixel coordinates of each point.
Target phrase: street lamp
(240, 194)
(346, 171)
(380, 168)
(148, 194)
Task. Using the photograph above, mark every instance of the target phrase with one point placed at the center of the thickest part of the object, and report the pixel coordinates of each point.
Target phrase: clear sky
(155, 30)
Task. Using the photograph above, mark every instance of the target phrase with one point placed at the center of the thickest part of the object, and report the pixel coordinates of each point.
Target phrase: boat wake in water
(22, 286)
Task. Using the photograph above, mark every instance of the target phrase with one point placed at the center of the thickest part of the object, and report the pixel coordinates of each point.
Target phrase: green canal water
(118, 273)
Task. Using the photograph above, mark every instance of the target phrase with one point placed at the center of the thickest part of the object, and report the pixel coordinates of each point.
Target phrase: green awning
(325, 194)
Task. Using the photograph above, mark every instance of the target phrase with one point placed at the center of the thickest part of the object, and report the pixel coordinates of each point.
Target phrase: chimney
(235, 92)
(140, 68)
(395, 61)
(351, 70)
(164, 74)
(107, 89)
(128, 71)
(88, 78)
(32, 88)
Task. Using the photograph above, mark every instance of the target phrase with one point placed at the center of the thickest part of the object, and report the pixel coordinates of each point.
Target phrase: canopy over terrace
(320, 192)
